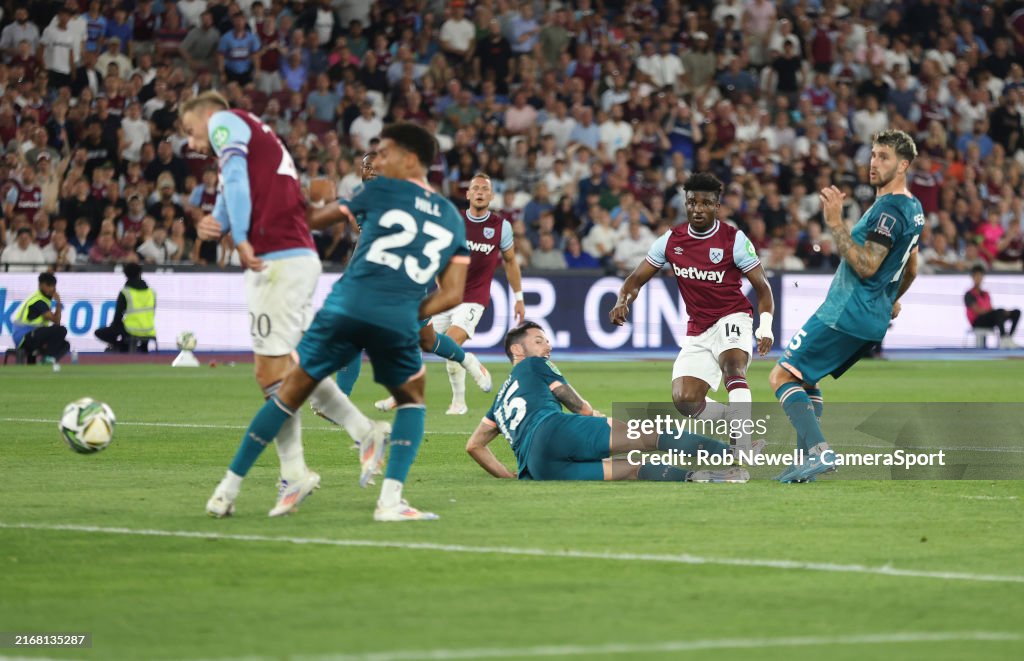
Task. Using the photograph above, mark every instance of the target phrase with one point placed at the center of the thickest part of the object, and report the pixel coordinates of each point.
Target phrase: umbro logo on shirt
(678, 250)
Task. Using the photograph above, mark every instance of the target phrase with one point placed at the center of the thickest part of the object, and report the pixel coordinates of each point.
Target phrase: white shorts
(280, 300)
(699, 356)
(464, 315)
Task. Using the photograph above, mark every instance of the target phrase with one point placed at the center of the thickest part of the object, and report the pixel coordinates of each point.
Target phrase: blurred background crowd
(588, 117)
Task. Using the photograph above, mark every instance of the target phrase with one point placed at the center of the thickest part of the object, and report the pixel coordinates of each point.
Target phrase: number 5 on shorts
(797, 340)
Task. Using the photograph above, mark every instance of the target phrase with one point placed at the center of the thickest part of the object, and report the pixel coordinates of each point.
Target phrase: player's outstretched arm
(765, 309)
(571, 399)
(477, 448)
(451, 285)
(630, 290)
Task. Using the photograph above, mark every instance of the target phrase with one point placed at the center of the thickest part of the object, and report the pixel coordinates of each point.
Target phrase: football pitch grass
(117, 543)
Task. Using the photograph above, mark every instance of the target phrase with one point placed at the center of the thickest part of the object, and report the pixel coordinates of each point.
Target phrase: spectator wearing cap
(163, 195)
(458, 34)
(23, 254)
(112, 55)
(21, 29)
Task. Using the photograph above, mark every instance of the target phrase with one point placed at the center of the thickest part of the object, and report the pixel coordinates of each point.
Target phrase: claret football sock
(406, 436)
(448, 348)
(349, 374)
(800, 412)
(261, 432)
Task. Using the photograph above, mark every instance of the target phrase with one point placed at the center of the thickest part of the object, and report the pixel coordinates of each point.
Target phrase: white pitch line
(990, 497)
(680, 559)
(190, 425)
(671, 646)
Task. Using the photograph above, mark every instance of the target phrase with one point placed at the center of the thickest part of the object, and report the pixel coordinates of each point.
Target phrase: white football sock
(289, 449)
(713, 410)
(390, 493)
(740, 409)
(232, 483)
(457, 377)
(339, 409)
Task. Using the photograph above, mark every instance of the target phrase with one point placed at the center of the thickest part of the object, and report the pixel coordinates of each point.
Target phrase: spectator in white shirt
(23, 254)
(365, 127)
(870, 120)
(458, 34)
(631, 249)
(159, 249)
(615, 133)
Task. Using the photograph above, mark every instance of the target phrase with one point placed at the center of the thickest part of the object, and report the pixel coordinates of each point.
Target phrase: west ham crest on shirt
(715, 254)
(488, 232)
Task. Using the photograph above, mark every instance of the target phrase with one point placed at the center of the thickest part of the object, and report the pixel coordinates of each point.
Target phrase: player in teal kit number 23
(410, 235)
(879, 264)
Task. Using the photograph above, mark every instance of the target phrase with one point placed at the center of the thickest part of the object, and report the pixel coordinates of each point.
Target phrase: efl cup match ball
(186, 341)
(87, 425)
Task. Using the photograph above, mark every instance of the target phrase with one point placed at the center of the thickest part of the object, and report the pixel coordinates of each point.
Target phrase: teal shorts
(334, 340)
(817, 350)
(567, 446)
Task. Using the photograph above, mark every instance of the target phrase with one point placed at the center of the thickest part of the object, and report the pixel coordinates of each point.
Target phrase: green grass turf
(151, 597)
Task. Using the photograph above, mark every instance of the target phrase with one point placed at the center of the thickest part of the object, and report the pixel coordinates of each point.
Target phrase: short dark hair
(901, 143)
(48, 279)
(516, 335)
(703, 182)
(977, 268)
(412, 138)
(132, 271)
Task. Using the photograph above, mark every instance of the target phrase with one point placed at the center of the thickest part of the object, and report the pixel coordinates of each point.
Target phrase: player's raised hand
(520, 312)
(619, 313)
(896, 308)
(208, 228)
(248, 257)
(832, 205)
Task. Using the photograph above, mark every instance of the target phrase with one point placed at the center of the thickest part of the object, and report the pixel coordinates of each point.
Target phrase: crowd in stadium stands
(588, 117)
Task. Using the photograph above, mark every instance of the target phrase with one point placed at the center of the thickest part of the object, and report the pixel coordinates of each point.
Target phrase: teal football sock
(662, 473)
(349, 374)
(817, 401)
(446, 347)
(406, 436)
(261, 432)
(800, 412)
(688, 443)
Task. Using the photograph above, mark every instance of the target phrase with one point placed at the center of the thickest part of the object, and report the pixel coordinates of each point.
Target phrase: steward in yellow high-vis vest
(36, 323)
(134, 321)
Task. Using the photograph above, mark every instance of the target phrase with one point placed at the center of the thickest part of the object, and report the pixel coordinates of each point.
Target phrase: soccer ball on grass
(87, 425)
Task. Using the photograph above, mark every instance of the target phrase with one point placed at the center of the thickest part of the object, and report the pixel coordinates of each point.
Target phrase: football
(186, 341)
(87, 425)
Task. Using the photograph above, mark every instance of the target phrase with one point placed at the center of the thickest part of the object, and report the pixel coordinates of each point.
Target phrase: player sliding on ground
(410, 235)
(441, 345)
(261, 204)
(709, 259)
(552, 445)
(490, 240)
(879, 264)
